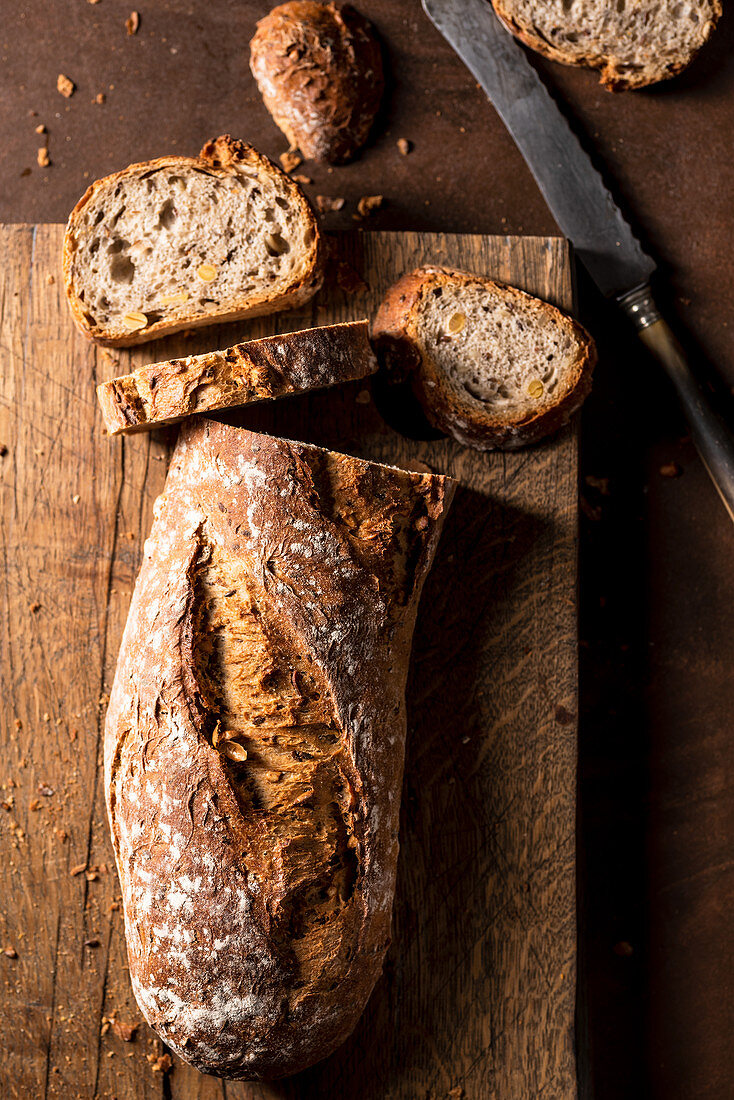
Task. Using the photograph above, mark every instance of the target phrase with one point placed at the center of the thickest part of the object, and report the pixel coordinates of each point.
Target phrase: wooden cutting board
(479, 986)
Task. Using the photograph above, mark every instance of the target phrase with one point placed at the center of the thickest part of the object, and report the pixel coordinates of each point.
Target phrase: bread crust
(614, 75)
(205, 966)
(394, 338)
(259, 370)
(220, 157)
(319, 71)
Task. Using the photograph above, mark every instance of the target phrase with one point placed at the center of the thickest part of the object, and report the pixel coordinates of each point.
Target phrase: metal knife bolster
(639, 305)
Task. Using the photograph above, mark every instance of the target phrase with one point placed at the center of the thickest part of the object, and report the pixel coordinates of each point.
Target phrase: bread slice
(254, 743)
(164, 393)
(319, 71)
(633, 42)
(181, 242)
(491, 365)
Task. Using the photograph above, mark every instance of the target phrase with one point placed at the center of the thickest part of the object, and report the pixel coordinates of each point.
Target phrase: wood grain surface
(479, 986)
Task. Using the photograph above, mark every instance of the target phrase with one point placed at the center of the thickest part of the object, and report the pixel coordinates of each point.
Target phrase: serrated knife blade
(583, 208)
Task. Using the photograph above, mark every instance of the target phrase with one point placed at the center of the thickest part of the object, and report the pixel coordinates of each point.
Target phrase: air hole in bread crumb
(122, 269)
(167, 217)
(276, 245)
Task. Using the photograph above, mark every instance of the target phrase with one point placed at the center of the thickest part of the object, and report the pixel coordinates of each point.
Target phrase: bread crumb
(404, 146)
(363, 397)
(671, 469)
(44, 161)
(326, 204)
(64, 85)
(161, 1063)
(290, 160)
(35, 805)
(3, 450)
(368, 204)
(75, 499)
(78, 870)
(99, 98)
(132, 22)
(41, 129)
(10, 952)
(50, 280)
(303, 180)
(126, 1032)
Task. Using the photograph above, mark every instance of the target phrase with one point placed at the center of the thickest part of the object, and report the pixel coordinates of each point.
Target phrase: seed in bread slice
(633, 42)
(181, 242)
(164, 393)
(491, 365)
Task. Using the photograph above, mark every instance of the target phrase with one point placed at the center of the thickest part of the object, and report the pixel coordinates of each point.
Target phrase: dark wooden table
(657, 757)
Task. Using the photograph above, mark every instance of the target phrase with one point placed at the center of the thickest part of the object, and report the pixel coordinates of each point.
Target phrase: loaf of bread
(164, 393)
(254, 743)
(491, 365)
(319, 71)
(634, 43)
(180, 242)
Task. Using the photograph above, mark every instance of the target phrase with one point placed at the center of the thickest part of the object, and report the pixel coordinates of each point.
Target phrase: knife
(583, 208)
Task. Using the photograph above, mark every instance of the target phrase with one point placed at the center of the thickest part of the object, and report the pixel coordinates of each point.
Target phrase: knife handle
(711, 435)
